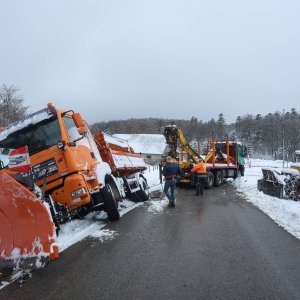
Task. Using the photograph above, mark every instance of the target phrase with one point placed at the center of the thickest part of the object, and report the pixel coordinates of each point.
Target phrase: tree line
(264, 134)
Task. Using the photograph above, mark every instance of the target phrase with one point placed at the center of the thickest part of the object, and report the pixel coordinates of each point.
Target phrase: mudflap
(27, 233)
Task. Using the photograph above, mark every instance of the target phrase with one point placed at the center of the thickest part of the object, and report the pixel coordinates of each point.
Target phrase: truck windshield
(37, 137)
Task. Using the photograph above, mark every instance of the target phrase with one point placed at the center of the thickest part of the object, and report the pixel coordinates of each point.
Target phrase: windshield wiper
(74, 141)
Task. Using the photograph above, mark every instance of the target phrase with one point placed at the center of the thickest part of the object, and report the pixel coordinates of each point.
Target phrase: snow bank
(286, 213)
(76, 230)
(152, 176)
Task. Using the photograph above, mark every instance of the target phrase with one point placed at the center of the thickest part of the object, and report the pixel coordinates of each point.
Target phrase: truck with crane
(224, 159)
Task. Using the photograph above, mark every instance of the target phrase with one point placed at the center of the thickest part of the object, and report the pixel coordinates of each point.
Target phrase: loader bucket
(27, 233)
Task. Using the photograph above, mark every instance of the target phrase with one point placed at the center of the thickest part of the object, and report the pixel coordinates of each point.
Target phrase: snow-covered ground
(286, 213)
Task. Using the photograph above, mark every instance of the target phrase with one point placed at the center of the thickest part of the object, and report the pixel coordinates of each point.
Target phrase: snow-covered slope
(286, 213)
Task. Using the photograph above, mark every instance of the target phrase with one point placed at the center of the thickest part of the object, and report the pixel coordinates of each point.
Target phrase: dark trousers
(170, 184)
(200, 181)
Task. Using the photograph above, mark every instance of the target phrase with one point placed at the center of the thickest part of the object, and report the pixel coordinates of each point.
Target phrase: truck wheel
(289, 186)
(295, 190)
(143, 194)
(210, 179)
(219, 178)
(110, 203)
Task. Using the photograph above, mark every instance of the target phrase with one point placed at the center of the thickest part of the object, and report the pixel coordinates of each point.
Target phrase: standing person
(170, 171)
(200, 173)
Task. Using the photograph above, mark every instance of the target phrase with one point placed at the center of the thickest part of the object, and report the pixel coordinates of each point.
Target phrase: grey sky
(118, 59)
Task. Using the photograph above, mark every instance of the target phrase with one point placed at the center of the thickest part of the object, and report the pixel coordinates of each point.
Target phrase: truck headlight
(78, 192)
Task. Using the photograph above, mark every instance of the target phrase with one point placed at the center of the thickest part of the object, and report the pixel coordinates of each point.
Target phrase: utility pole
(283, 153)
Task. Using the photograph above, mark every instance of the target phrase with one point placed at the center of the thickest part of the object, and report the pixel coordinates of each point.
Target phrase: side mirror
(80, 124)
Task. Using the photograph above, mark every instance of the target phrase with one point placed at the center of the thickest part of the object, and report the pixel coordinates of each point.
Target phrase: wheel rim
(210, 179)
(112, 193)
(144, 187)
(220, 178)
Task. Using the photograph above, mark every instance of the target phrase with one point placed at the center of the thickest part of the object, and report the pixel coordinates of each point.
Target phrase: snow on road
(286, 213)
(92, 225)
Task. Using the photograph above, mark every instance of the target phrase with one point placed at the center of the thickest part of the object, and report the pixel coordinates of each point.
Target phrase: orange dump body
(121, 159)
(27, 233)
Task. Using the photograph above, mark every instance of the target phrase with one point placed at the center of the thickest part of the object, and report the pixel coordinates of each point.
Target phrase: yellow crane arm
(195, 156)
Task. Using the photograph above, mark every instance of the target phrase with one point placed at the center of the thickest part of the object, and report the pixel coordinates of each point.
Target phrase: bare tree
(11, 105)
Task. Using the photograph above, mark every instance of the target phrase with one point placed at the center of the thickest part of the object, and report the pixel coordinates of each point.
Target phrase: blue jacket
(171, 169)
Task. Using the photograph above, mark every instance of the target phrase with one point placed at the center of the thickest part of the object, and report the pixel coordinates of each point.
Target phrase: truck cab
(63, 154)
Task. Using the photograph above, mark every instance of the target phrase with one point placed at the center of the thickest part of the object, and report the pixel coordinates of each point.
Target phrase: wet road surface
(213, 247)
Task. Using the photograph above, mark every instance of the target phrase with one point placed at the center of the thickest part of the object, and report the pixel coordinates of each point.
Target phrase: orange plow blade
(27, 233)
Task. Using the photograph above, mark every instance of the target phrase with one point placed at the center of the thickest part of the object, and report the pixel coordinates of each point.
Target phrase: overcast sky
(118, 59)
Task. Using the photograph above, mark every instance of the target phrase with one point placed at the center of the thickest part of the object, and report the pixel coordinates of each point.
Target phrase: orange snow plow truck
(72, 173)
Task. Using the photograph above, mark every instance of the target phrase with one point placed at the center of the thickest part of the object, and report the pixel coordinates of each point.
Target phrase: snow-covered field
(286, 213)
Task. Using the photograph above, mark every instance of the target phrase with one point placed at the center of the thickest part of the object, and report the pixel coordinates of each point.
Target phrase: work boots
(171, 204)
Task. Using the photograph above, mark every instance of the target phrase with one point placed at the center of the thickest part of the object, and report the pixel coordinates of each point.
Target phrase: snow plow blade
(27, 233)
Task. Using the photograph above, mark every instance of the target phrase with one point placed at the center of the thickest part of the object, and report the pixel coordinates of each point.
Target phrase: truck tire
(289, 186)
(219, 178)
(210, 179)
(143, 194)
(110, 203)
(295, 189)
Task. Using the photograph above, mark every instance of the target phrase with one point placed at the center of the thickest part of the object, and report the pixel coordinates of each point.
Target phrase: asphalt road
(213, 247)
